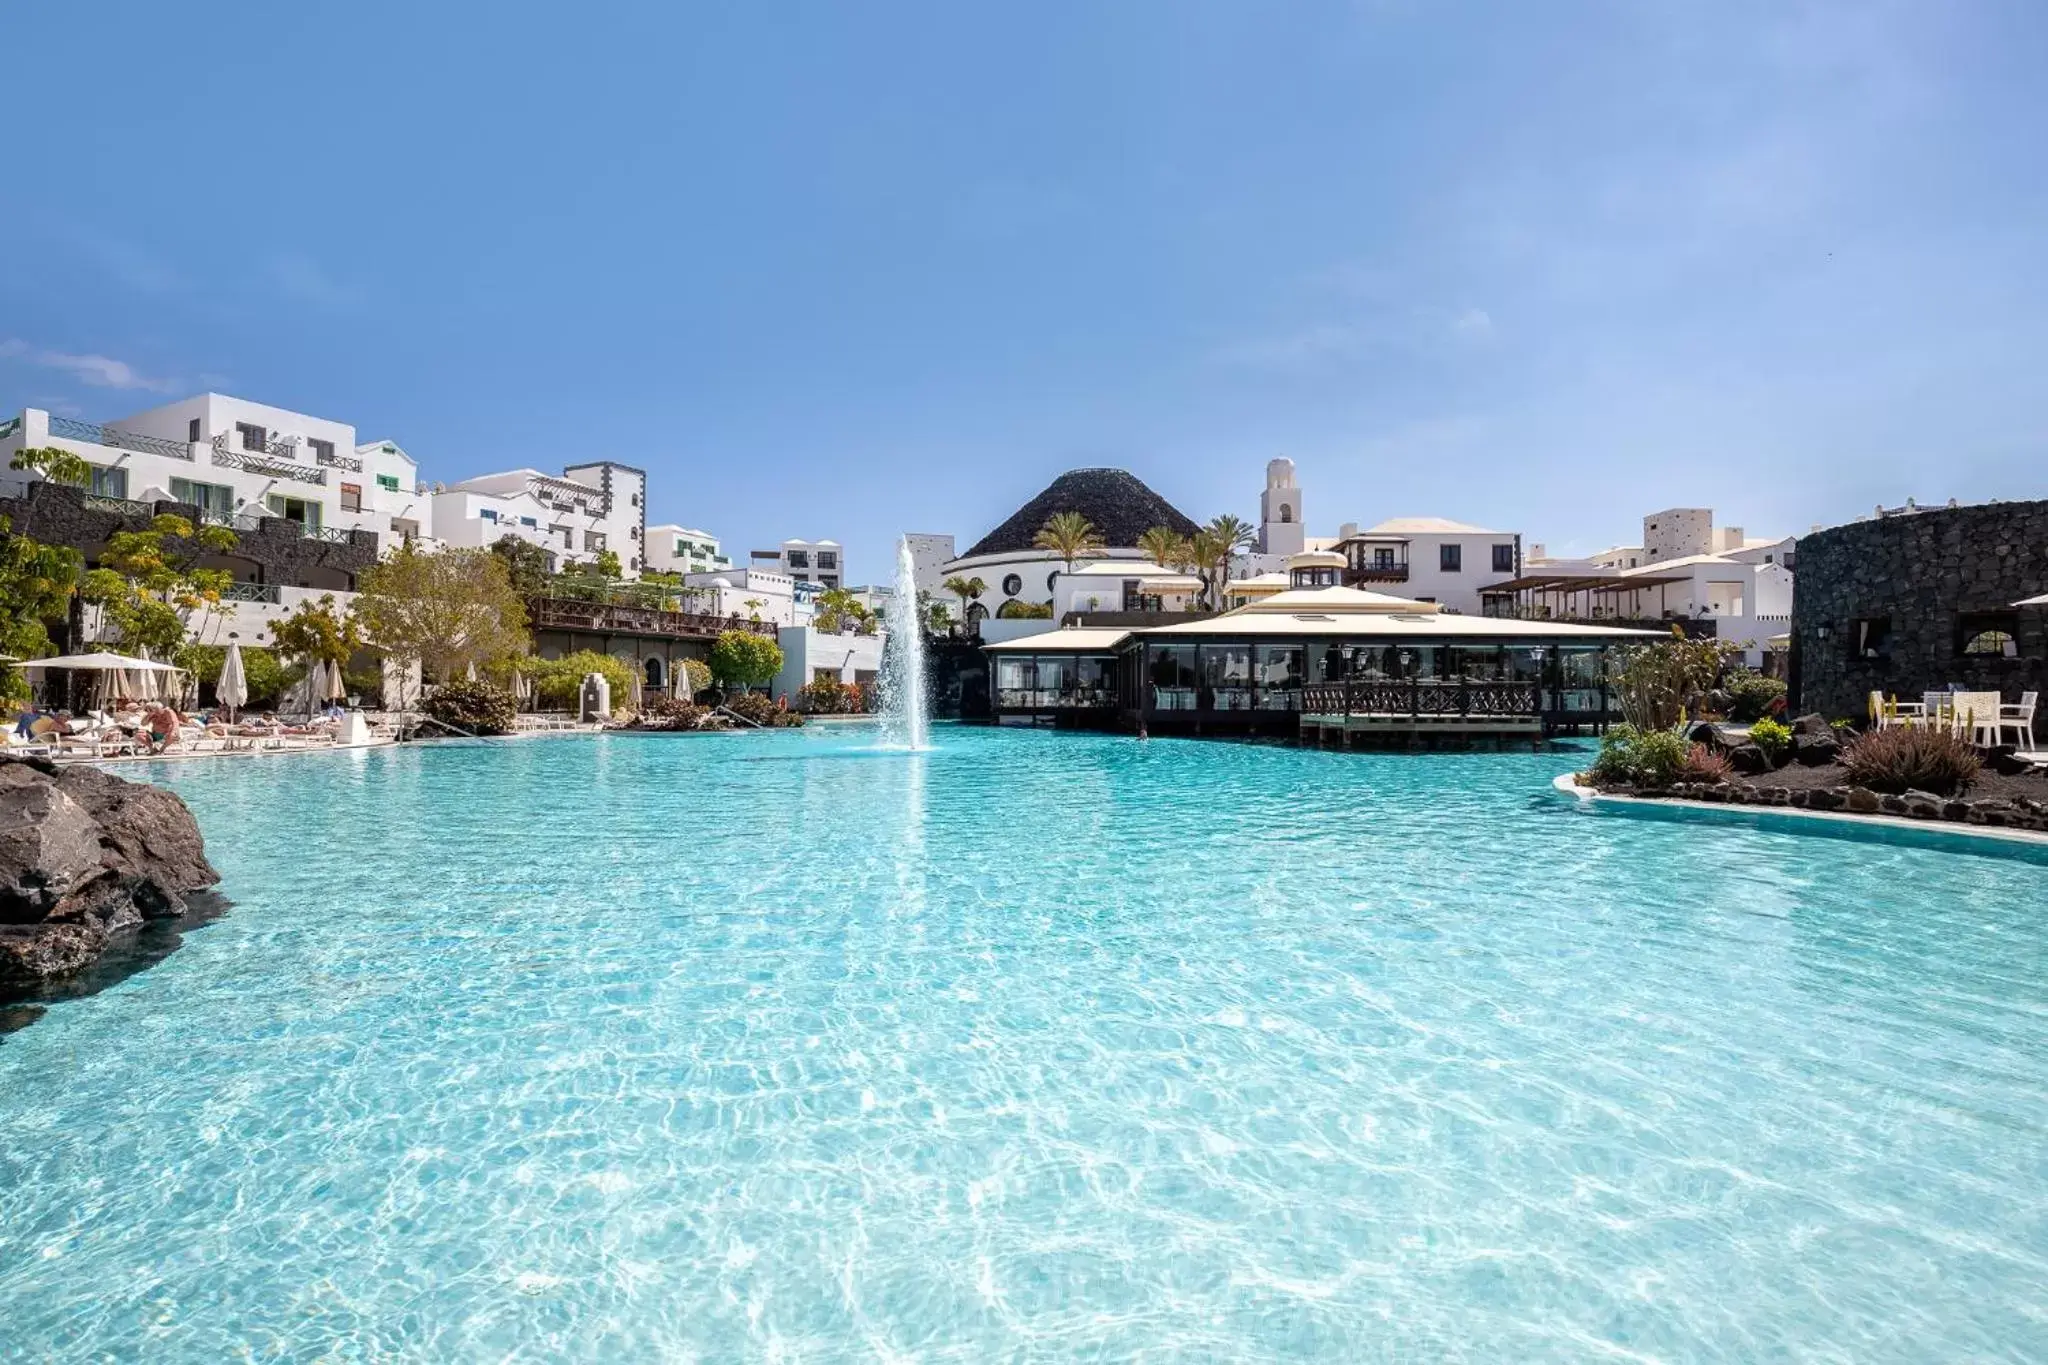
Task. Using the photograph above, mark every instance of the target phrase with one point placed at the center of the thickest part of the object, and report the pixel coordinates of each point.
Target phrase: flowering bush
(1773, 737)
(830, 697)
(1705, 765)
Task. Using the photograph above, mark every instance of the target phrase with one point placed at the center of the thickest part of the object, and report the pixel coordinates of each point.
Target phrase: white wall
(850, 658)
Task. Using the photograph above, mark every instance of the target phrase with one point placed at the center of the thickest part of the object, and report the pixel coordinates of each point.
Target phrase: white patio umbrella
(233, 688)
(111, 670)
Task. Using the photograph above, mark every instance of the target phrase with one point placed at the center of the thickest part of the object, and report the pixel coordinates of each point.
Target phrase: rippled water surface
(762, 1047)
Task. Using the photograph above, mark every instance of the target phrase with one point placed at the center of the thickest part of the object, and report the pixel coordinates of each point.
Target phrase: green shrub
(558, 683)
(1773, 737)
(1902, 758)
(1752, 696)
(1639, 758)
(479, 707)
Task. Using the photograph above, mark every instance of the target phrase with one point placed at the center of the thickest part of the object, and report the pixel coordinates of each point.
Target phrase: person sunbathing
(162, 731)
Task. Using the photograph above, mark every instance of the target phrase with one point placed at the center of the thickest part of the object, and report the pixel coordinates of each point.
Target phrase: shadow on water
(137, 950)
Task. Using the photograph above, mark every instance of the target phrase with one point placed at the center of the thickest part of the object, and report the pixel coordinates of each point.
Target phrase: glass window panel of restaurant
(1481, 663)
(1579, 673)
(1056, 675)
(1171, 670)
(1227, 673)
(1279, 675)
(1010, 680)
(1093, 680)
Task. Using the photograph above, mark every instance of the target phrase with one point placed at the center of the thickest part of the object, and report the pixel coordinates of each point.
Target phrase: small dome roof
(1316, 559)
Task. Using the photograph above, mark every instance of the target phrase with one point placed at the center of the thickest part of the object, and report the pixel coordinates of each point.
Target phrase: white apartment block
(1430, 559)
(820, 563)
(749, 594)
(238, 460)
(684, 550)
(929, 554)
(588, 509)
(1686, 568)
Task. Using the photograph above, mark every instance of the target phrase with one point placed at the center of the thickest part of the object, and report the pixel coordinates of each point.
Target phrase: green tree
(1229, 535)
(966, 589)
(608, 566)
(833, 608)
(1659, 685)
(37, 582)
(743, 658)
(1069, 535)
(558, 683)
(444, 611)
(1164, 546)
(149, 585)
(525, 562)
(318, 631)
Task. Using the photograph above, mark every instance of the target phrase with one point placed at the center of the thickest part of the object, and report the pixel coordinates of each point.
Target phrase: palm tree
(1231, 535)
(1069, 535)
(966, 589)
(1204, 550)
(1163, 547)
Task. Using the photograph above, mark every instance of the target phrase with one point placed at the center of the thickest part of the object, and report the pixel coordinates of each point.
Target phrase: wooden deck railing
(560, 613)
(1416, 698)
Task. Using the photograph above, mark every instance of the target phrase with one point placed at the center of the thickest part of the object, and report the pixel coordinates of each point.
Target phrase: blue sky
(846, 270)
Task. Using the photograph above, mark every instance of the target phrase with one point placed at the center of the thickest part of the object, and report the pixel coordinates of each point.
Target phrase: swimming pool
(1053, 1046)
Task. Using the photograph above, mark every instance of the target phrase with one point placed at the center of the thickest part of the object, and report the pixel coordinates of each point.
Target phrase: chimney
(1347, 530)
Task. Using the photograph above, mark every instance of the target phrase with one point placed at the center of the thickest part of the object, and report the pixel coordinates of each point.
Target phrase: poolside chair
(2018, 719)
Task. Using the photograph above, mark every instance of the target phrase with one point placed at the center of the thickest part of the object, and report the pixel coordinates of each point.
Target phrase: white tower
(1280, 519)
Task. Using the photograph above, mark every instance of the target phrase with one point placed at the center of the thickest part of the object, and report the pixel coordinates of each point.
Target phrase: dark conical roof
(1117, 501)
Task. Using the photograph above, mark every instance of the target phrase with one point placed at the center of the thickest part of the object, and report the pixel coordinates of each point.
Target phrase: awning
(101, 663)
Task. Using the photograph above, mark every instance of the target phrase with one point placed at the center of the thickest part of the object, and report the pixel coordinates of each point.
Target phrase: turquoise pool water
(1037, 1047)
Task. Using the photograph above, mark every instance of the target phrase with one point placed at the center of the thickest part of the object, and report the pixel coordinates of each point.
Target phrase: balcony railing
(348, 462)
(1416, 698)
(228, 457)
(250, 592)
(555, 613)
(122, 507)
(1376, 573)
(71, 429)
(331, 535)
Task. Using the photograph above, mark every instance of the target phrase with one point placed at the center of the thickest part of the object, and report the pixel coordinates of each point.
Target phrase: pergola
(1580, 597)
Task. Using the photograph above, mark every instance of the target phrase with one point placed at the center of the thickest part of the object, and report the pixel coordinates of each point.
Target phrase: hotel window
(351, 497)
(1450, 558)
(1012, 585)
(251, 437)
(192, 430)
(109, 482)
(529, 521)
(215, 498)
(323, 451)
(799, 559)
(1383, 557)
(593, 541)
(489, 514)
(827, 559)
(1503, 559)
(1870, 637)
(304, 511)
(1988, 633)
(388, 482)
(568, 536)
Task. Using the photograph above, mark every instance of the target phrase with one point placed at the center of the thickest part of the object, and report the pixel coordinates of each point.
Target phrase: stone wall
(1919, 574)
(59, 515)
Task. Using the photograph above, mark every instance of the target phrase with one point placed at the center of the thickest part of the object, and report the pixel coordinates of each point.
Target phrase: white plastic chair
(2018, 719)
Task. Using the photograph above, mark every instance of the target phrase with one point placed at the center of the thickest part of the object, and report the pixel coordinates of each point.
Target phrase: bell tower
(1280, 521)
